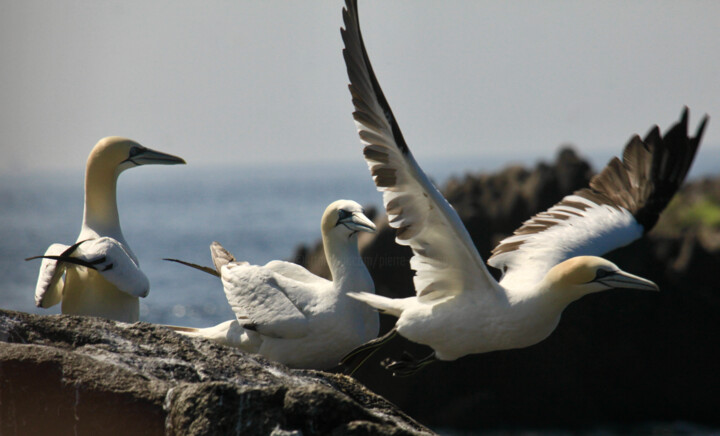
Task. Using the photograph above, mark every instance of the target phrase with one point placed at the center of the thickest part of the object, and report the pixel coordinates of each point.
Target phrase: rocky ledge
(64, 374)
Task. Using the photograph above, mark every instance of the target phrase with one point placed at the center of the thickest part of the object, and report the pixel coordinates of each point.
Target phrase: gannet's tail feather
(229, 333)
(216, 333)
(391, 306)
(221, 256)
(182, 329)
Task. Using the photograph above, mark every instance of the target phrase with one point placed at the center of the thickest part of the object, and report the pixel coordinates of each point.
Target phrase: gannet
(99, 275)
(291, 316)
(549, 262)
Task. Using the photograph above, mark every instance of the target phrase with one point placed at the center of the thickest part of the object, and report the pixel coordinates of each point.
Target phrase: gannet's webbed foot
(354, 359)
(407, 365)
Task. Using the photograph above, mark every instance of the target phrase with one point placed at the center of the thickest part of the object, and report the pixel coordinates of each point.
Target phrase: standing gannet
(289, 315)
(548, 263)
(102, 276)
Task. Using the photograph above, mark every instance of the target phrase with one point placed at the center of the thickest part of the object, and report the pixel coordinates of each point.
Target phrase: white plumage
(549, 262)
(99, 275)
(289, 315)
(574, 232)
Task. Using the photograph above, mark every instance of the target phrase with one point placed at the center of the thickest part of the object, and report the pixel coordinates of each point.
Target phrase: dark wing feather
(622, 202)
(651, 172)
(444, 256)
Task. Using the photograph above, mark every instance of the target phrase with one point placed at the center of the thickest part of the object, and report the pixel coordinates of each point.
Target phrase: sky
(244, 83)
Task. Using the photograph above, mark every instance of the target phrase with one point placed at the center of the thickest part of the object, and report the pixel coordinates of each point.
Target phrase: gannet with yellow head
(288, 314)
(99, 275)
(549, 262)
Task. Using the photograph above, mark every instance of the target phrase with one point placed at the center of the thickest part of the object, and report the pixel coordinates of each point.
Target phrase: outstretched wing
(48, 291)
(623, 202)
(272, 303)
(444, 256)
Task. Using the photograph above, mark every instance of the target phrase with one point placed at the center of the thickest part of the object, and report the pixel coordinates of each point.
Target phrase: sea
(259, 213)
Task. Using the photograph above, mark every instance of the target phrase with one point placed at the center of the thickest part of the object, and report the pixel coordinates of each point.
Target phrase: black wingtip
(656, 174)
(349, 5)
(352, 27)
(701, 128)
(65, 256)
(685, 115)
(652, 136)
(66, 259)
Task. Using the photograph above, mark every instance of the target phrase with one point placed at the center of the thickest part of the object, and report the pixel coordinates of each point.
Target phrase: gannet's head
(584, 275)
(343, 219)
(120, 154)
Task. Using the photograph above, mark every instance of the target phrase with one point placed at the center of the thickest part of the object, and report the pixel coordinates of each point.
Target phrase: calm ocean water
(259, 214)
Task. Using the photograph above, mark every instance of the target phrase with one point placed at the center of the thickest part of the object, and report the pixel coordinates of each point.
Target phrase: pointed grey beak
(358, 222)
(624, 280)
(146, 156)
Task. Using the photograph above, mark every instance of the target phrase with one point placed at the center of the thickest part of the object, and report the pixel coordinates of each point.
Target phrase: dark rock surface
(71, 375)
(620, 356)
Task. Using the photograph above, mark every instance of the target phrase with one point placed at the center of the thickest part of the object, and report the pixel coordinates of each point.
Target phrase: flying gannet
(291, 316)
(99, 275)
(549, 262)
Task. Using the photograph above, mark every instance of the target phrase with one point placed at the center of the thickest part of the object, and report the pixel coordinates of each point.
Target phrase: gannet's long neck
(552, 296)
(100, 215)
(348, 271)
(547, 298)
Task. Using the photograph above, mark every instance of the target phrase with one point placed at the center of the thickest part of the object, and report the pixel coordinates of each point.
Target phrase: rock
(617, 356)
(65, 374)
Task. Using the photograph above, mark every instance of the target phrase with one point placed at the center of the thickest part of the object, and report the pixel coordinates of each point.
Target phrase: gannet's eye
(343, 214)
(599, 274)
(135, 151)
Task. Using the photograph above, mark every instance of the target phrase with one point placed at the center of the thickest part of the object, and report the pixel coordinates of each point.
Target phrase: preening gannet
(291, 316)
(99, 275)
(459, 308)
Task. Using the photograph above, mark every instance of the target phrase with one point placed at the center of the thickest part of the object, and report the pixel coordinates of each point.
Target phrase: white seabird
(99, 275)
(291, 316)
(549, 262)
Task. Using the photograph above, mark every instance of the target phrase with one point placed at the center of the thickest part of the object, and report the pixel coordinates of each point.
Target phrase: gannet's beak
(358, 222)
(624, 280)
(146, 156)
